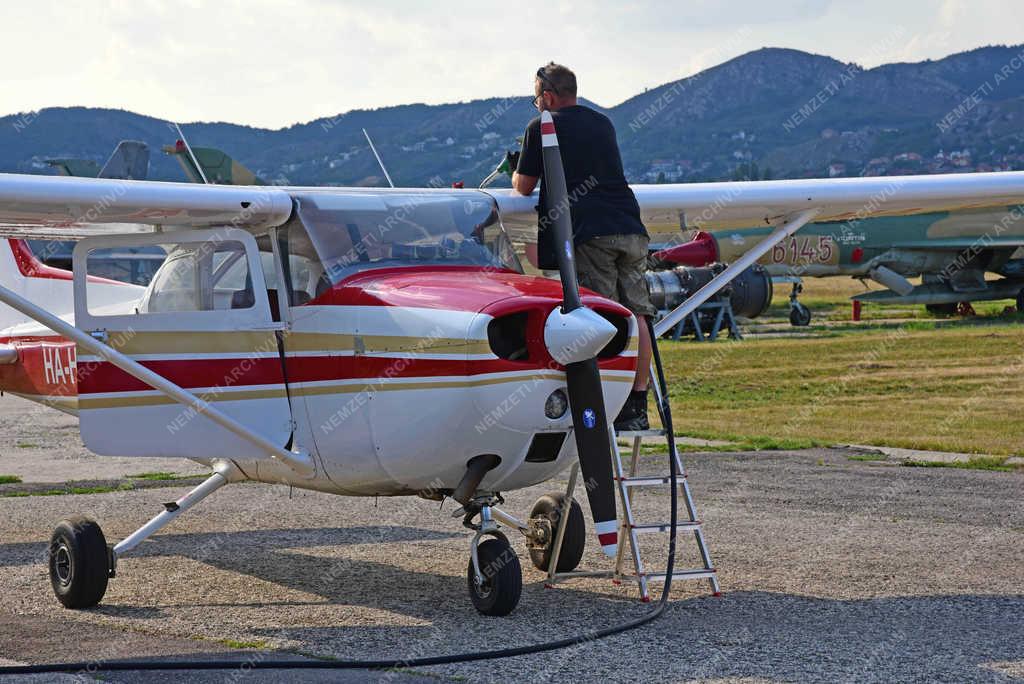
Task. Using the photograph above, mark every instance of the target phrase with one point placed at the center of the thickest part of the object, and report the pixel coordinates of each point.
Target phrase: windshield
(354, 231)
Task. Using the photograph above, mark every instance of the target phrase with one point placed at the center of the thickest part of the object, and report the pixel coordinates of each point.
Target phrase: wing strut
(795, 223)
(300, 461)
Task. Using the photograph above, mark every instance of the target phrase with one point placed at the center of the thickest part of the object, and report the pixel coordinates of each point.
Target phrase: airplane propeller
(574, 335)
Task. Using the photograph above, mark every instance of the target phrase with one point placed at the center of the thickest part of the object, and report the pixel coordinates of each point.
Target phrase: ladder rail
(628, 529)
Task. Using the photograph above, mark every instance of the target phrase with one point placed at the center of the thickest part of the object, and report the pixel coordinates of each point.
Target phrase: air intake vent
(545, 447)
(507, 337)
(621, 339)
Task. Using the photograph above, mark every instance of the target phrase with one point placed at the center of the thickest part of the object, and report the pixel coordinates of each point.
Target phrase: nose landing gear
(799, 315)
(494, 575)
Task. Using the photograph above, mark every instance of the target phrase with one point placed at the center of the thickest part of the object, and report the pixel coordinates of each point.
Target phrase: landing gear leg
(494, 575)
(80, 560)
(799, 315)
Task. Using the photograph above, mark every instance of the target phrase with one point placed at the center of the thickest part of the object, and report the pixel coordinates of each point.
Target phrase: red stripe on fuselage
(105, 377)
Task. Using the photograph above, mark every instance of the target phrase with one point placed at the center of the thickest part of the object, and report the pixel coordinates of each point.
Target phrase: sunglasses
(544, 79)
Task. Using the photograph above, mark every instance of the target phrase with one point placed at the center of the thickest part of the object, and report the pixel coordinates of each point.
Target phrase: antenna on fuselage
(379, 161)
(192, 156)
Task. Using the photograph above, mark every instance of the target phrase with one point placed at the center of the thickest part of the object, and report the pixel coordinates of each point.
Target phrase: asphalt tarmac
(832, 570)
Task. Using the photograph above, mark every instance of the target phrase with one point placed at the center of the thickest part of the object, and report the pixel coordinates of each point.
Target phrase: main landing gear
(81, 562)
(494, 574)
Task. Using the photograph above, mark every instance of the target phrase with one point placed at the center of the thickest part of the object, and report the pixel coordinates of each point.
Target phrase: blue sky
(272, 64)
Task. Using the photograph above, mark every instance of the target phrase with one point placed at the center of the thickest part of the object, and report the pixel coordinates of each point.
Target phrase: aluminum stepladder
(629, 529)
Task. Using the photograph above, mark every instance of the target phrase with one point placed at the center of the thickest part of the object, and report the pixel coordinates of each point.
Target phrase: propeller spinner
(574, 335)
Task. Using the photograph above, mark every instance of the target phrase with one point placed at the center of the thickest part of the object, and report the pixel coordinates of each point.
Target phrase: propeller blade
(583, 377)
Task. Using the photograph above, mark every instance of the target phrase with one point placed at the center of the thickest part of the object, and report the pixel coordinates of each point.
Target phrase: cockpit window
(198, 276)
(353, 231)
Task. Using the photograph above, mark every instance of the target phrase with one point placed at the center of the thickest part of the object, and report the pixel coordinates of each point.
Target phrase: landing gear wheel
(503, 578)
(550, 507)
(1020, 301)
(799, 315)
(79, 563)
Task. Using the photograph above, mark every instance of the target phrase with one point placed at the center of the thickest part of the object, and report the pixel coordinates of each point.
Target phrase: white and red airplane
(361, 341)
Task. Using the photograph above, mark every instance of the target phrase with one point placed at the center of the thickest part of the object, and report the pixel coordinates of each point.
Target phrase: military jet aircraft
(951, 250)
(365, 342)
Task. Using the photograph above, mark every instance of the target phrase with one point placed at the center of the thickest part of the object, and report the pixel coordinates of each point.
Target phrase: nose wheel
(799, 315)
(494, 575)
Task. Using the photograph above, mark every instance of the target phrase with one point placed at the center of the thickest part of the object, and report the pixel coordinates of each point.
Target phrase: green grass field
(955, 387)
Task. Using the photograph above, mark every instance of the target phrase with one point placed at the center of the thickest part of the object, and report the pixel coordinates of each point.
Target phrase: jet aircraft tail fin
(215, 166)
(129, 161)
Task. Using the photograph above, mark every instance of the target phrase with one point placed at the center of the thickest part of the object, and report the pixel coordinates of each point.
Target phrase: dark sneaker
(633, 416)
(634, 424)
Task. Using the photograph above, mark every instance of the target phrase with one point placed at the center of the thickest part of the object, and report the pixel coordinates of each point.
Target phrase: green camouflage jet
(214, 167)
(951, 251)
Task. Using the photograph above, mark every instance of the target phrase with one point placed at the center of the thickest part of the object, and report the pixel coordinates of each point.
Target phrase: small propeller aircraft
(365, 342)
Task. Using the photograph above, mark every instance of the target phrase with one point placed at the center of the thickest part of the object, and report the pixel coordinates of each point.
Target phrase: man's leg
(643, 359)
(635, 296)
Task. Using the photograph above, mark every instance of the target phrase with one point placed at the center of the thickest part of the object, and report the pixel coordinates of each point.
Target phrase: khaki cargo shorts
(613, 266)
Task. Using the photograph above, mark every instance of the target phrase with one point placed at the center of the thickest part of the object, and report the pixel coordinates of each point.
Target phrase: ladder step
(681, 574)
(629, 434)
(648, 481)
(684, 526)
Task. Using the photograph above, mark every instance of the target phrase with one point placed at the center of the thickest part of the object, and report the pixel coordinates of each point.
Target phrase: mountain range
(770, 113)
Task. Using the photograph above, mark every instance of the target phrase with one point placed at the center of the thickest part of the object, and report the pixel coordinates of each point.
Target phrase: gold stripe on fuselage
(176, 343)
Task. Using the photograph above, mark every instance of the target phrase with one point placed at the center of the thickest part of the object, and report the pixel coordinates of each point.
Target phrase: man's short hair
(561, 77)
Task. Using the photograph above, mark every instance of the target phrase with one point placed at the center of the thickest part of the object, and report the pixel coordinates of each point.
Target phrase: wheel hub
(62, 564)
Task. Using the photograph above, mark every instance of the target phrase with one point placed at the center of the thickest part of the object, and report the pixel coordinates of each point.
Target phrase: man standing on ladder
(610, 239)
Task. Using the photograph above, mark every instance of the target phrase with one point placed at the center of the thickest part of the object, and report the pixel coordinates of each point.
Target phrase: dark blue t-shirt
(600, 200)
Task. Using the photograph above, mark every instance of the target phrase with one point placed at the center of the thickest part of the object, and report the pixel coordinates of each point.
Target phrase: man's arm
(531, 164)
(524, 184)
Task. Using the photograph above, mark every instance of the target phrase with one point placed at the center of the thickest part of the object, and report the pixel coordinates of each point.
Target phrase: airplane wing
(30, 203)
(745, 204)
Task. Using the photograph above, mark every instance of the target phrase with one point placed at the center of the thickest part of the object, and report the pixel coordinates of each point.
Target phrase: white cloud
(271, 64)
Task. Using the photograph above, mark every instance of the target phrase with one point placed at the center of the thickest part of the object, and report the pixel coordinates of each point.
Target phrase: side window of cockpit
(201, 276)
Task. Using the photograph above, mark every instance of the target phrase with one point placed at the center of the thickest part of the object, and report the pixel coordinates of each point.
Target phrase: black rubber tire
(941, 309)
(799, 316)
(1020, 301)
(79, 563)
(503, 578)
(575, 541)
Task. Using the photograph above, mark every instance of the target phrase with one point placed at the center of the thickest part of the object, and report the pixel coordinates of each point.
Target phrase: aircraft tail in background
(217, 166)
(130, 161)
